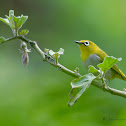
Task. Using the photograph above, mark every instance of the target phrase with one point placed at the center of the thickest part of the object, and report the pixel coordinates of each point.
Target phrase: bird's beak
(78, 42)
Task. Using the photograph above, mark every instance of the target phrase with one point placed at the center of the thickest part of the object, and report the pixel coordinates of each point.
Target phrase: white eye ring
(86, 43)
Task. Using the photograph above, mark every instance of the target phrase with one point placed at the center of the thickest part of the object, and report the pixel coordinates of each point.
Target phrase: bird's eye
(86, 43)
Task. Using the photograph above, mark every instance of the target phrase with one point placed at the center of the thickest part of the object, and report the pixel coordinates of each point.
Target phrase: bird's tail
(124, 78)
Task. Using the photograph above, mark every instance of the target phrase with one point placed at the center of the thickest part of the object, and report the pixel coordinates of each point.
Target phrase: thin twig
(50, 60)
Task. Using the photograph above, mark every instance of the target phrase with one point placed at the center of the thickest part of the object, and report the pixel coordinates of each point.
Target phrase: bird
(91, 54)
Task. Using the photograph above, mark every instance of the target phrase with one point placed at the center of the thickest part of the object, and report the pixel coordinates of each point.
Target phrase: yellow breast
(87, 51)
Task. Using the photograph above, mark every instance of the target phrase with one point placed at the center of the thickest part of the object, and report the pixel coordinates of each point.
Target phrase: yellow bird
(91, 54)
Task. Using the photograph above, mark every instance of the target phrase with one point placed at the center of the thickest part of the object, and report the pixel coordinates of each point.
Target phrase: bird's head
(87, 45)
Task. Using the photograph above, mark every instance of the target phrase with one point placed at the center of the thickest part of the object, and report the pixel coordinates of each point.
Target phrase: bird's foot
(103, 85)
(107, 82)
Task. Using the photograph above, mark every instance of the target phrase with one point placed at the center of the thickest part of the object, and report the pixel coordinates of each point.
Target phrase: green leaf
(19, 21)
(51, 52)
(56, 55)
(4, 20)
(108, 62)
(46, 51)
(11, 12)
(85, 79)
(79, 85)
(24, 32)
(11, 21)
(76, 70)
(16, 19)
(75, 93)
(15, 22)
(92, 69)
(2, 39)
(61, 51)
(23, 19)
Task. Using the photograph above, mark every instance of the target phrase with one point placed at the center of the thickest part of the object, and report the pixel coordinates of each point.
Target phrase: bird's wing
(115, 67)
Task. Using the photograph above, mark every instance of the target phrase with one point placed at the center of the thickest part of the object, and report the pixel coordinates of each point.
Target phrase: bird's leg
(101, 77)
(107, 82)
(103, 82)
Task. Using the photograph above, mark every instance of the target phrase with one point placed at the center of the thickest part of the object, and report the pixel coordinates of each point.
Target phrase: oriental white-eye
(91, 54)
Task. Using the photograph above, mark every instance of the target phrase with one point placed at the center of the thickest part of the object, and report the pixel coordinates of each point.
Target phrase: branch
(50, 60)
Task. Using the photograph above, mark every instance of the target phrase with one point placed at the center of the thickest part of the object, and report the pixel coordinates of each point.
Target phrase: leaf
(61, 51)
(108, 62)
(4, 20)
(11, 20)
(15, 22)
(79, 85)
(16, 19)
(24, 32)
(11, 12)
(2, 39)
(23, 19)
(76, 70)
(82, 80)
(75, 93)
(54, 54)
(46, 51)
(92, 69)
(19, 21)
(51, 52)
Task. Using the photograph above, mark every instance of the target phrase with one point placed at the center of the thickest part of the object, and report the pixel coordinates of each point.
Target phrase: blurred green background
(37, 95)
